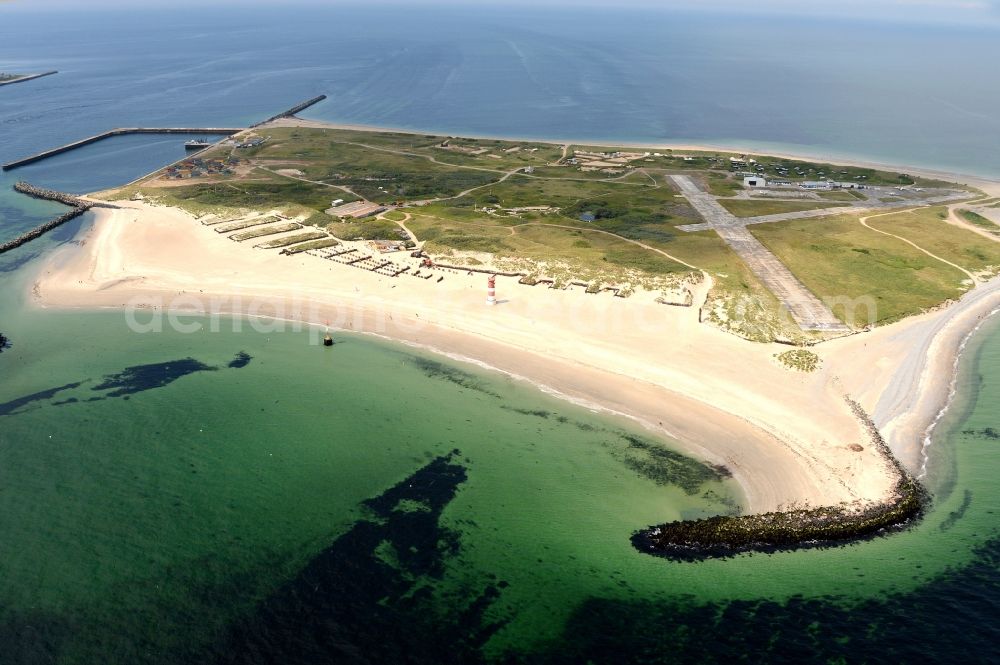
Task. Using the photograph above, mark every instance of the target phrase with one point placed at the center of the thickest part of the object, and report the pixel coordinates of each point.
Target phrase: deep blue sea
(229, 498)
(916, 94)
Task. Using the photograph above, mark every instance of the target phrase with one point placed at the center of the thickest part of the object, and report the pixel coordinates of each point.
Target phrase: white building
(754, 181)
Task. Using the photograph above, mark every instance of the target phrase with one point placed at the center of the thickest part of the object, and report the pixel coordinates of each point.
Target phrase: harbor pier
(121, 131)
(79, 206)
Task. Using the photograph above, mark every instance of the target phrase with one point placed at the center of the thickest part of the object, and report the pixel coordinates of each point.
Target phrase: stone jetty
(298, 108)
(77, 206)
(825, 526)
(29, 77)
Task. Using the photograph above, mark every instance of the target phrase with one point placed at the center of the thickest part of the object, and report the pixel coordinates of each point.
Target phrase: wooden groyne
(121, 131)
(77, 205)
(30, 77)
(298, 108)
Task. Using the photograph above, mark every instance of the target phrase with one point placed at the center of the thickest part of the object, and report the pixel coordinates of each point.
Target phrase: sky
(970, 12)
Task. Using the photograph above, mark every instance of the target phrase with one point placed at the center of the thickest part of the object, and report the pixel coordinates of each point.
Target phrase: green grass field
(930, 231)
(722, 184)
(370, 228)
(756, 207)
(556, 220)
(837, 257)
(739, 302)
(254, 195)
(978, 220)
(849, 195)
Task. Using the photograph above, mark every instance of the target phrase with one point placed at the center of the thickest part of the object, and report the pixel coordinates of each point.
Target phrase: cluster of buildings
(197, 167)
(752, 170)
(759, 181)
(249, 143)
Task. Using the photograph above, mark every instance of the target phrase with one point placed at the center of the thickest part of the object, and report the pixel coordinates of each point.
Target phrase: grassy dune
(978, 220)
(475, 197)
(838, 257)
(370, 228)
(928, 229)
(756, 207)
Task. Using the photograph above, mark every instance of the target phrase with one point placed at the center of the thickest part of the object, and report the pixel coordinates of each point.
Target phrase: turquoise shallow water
(161, 506)
(118, 478)
(919, 95)
(374, 501)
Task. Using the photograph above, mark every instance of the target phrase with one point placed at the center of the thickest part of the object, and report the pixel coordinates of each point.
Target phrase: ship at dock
(197, 144)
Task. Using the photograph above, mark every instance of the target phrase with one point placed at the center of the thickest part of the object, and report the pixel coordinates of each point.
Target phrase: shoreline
(928, 438)
(579, 400)
(783, 435)
(975, 180)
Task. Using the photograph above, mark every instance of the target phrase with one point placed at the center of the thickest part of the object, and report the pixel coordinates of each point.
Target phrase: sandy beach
(786, 436)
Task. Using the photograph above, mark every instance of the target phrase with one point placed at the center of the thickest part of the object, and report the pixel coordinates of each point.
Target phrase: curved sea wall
(723, 535)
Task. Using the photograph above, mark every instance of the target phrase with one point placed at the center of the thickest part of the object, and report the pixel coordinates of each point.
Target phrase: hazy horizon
(973, 13)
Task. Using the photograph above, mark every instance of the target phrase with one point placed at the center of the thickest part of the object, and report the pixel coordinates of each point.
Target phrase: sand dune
(785, 435)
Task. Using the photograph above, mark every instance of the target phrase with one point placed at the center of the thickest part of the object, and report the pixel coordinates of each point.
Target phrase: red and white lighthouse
(491, 290)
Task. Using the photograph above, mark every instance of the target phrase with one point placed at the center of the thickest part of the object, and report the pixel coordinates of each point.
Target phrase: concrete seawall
(80, 206)
(121, 131)
(30, 77)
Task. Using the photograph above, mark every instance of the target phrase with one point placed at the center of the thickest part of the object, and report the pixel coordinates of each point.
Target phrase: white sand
(784, 434)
